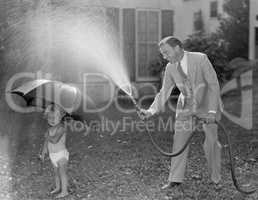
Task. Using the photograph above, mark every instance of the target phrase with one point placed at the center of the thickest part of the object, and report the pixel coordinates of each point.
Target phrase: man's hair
(171, 41)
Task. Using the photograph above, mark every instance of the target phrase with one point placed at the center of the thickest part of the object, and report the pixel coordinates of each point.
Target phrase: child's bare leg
(63, 176)
(57, 181)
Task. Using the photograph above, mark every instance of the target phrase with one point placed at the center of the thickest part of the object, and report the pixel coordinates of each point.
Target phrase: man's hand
(144, 114)
(210, 118)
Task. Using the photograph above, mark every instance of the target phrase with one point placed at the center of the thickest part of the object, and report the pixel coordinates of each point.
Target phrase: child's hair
(52, 107)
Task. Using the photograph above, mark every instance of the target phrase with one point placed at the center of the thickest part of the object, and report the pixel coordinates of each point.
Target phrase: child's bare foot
(56, 190)
(62, 194)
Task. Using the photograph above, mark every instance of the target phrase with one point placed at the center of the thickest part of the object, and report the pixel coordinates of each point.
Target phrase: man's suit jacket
(204, 83)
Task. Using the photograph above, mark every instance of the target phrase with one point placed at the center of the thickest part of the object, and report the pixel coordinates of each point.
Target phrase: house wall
(184, 18)
(211, 23)
(184, 13)
(133, 3)
(175, 18)
(253, 39)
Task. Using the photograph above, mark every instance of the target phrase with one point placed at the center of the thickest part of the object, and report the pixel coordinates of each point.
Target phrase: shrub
(234, 28)
(157, 67)
(216, 50)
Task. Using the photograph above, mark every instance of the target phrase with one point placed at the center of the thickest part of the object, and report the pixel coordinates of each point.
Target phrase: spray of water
(60, 35)
(38, 32)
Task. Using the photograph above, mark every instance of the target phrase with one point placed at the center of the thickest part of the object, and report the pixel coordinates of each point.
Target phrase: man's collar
(184, 57)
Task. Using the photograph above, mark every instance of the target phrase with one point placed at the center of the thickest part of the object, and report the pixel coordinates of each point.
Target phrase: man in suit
(197, 81)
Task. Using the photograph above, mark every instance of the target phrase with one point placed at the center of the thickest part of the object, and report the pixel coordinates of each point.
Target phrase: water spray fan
(128, 90)
(137, 107)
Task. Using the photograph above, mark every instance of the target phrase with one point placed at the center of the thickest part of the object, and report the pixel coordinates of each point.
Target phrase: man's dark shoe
(217, 186)
(170, 185)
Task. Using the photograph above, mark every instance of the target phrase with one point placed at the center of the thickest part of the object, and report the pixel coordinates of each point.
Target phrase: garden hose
(228, 141)
(232, 162)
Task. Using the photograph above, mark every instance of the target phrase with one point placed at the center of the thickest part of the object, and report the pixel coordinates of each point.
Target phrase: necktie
(181, 71)
(185, 88)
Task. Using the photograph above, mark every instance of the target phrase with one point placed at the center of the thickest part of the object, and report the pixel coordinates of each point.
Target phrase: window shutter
(256, 43)
(113, 17)
(213, 9)
(198, 21)
(113, 25)
(129, 40)
(167, 27)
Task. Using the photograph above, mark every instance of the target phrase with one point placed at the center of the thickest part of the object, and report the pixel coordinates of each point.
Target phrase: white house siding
(163, 4)
(211, 23)
(253, 30)
(184, 13)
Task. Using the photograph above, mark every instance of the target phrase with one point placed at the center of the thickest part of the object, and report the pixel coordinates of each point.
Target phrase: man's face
(170, 53)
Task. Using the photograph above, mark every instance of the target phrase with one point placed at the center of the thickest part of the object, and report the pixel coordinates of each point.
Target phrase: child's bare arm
(45, 142)
(54, 139)
(44, 148)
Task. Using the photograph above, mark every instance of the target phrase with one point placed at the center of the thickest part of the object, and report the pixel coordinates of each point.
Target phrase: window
(113, 24)
(147, 38)
(213, 9)
(167, 23)
(256, 43)
(198, 21)
(129, 40)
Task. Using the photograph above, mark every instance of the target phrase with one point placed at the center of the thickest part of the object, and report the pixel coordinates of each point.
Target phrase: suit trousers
(211, 146)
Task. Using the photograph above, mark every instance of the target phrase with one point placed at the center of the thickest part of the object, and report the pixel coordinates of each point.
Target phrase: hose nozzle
(137, 107)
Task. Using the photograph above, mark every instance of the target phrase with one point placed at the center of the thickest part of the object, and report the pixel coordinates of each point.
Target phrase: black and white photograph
(129, 99)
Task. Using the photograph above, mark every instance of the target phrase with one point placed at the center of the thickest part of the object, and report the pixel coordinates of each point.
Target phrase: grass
(120, 166)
